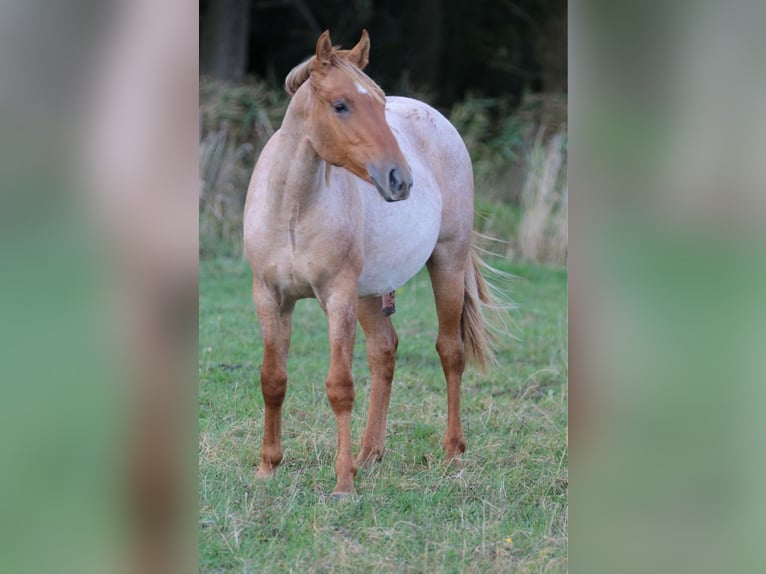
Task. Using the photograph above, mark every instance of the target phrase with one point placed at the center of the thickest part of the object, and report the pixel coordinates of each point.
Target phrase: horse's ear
(360, 54)
(324, 47)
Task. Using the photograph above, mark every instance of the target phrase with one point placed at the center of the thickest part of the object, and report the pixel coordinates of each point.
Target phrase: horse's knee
(273, 387)
(382, 356)
(451, 352)
(340, 393)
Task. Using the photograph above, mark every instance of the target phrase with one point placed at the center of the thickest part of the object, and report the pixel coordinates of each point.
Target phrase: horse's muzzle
(393, 183)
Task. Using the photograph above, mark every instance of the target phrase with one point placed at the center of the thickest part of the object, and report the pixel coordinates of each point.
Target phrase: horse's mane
(300, 73)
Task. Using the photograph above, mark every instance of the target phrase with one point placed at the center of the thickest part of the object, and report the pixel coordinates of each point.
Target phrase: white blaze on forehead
(360, 88)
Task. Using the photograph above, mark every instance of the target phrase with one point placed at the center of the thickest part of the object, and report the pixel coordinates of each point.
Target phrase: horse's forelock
(361, 78)
(300, 73)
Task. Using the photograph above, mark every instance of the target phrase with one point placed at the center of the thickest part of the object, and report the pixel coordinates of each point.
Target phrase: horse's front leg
(275, 320)
(339, 303)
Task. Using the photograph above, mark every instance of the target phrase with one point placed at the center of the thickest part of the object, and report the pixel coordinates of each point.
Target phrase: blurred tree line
(440, 49)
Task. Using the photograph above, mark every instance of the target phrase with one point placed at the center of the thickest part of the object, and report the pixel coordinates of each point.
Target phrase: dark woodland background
(446, 48)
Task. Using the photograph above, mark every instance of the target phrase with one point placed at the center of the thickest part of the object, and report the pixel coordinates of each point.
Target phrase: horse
(349, 199)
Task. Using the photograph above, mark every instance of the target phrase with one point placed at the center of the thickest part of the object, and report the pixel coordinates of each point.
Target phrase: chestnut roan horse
(349, 199)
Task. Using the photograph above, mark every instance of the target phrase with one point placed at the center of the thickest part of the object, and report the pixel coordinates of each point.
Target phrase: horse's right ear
(361, 52)
(324, 48)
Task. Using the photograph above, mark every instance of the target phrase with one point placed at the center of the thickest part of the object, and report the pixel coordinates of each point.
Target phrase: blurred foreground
(668, 272)
(99, 274)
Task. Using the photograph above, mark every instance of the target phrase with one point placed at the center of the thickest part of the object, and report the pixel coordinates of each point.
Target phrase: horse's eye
(340, 107)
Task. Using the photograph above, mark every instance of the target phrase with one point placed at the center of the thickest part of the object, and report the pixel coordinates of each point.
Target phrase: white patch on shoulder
(360, 88)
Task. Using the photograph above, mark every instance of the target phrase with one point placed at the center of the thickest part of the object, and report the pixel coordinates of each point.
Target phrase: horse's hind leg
(381, 343)
(275, 327)
(448, 281)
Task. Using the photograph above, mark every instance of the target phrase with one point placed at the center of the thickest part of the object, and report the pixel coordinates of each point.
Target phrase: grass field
(504, 510)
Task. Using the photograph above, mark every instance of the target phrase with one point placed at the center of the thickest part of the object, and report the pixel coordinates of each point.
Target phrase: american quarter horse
(349, 199)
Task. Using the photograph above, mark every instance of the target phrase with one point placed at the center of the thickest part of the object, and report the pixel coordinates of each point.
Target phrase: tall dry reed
(236, 122)
(544, 199)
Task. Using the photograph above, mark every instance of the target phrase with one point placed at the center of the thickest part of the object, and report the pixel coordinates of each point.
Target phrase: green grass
(504, 510)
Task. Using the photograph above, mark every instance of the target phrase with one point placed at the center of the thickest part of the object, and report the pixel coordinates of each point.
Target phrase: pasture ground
(504, 510)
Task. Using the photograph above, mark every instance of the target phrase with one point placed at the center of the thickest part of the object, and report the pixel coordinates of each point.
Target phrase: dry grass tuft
(236, 122)
(544, 198)
(224, 175)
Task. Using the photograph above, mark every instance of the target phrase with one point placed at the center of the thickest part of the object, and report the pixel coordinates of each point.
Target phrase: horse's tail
(480, 300)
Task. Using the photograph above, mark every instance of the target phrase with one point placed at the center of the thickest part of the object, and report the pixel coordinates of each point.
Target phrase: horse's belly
(398, 239)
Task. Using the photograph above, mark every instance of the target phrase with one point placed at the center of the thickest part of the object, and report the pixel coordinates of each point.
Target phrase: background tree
(224, 32)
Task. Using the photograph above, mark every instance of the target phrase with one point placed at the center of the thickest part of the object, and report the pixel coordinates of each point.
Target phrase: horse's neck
(298, 173)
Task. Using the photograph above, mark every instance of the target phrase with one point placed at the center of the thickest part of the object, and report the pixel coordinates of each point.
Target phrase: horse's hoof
(454, 456)
(454, 448)
(454, 460)
(344, 489)
(265, 474)
(343, 496)
(368, 457)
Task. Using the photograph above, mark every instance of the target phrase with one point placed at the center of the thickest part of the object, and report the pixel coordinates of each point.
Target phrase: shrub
(236, 121)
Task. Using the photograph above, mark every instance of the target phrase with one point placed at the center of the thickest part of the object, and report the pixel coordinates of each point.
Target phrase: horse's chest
(301, 254)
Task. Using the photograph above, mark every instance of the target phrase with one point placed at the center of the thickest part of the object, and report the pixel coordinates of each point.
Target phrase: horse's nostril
(393, 181)
(398, 184)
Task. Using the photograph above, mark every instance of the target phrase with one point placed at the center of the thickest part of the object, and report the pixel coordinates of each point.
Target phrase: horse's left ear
(360, 54)
(324, 48)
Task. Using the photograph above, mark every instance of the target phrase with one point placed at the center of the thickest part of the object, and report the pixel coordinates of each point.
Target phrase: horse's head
(347, 121)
